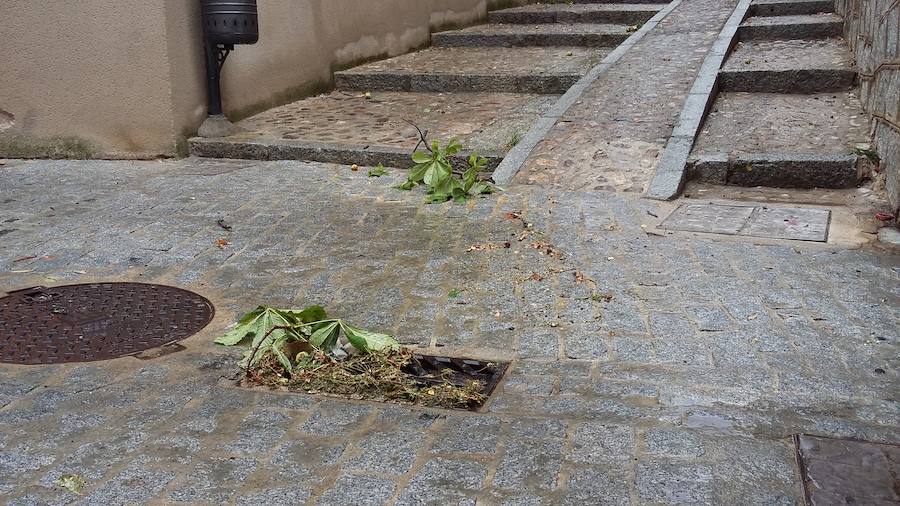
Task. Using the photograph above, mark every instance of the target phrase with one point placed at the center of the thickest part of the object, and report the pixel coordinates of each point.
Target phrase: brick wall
(872, 28)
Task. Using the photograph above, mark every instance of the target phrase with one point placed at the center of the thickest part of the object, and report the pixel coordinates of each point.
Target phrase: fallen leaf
(884, 216)
(513, 215)
(221, 243)
(71, 482)
(354, 167)
(579, 277)
(536, 277)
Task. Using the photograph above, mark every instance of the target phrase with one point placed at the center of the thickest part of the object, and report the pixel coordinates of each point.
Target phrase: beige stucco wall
(125, 78)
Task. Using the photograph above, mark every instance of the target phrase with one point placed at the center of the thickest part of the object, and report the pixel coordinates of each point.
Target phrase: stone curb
(672, 169)
(777, 171)
(516, 157)
(787, 81)
(584, 39)
(344, 154)
(797, 8)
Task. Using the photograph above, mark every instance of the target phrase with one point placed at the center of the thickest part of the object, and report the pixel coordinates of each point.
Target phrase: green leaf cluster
(434, 170)
(268, 331)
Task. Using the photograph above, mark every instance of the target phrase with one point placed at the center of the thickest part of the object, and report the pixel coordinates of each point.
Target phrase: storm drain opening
(431, 371)
(848, 471)
(96, 321)
(401, 377)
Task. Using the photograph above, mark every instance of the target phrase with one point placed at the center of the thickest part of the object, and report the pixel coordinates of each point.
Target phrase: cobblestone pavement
(681, 383)
(612, 138)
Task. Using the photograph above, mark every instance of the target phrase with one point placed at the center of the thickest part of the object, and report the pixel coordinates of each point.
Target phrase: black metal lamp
(226, 23)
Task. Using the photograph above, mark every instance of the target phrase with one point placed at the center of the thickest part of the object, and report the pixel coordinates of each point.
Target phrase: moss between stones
(15, 145)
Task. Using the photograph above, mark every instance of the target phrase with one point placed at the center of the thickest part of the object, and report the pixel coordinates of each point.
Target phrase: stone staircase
(787, 113)
(483, 85)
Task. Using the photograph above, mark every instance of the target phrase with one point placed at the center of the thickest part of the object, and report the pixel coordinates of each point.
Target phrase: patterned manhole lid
(83, 323)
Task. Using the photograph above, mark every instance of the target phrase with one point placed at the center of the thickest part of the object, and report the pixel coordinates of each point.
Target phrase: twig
(264, 339)
(423, 137)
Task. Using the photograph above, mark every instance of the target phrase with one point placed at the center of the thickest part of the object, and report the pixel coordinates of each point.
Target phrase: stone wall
(125, 78)
(872, 28)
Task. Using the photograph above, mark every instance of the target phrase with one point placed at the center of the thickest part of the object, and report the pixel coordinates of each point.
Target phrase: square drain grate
(798, 224)
(842, 471)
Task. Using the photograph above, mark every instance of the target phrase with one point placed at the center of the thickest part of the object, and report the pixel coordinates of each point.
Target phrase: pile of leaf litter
(305, 350)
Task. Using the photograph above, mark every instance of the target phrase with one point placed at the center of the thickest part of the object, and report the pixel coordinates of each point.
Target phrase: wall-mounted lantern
(226, 23)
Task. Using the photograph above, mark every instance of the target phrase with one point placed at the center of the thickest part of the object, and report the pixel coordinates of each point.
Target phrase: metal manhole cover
(83, 323)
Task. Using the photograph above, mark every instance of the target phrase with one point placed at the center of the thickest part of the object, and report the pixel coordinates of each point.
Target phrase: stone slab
(790, 7)
(524, 35)
(811, 26)
(547, 70)
(789, 66)
(816, 124)
(841, 471)
(800, 224)
(580, 13)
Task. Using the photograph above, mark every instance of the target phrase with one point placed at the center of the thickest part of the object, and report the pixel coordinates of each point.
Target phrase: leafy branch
(433, 168)
(278, 332)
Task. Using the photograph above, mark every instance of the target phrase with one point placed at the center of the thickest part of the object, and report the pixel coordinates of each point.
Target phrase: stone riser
(364, 156)
(825, 30)
(792, 9)
(541, 84)
(787, 81)
(777, 171)
(453, 39)
(539, 17)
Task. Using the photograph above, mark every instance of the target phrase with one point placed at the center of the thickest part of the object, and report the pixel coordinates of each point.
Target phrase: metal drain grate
(83, 323)
(843, 471)
(429, 370)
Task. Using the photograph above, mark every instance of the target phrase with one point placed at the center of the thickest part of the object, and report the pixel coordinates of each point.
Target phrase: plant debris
(71, 482)
(377, 171)
(222, 243)
(487, 246)
(433, 169)
(224, 225)
(380, 376)
(301, 350)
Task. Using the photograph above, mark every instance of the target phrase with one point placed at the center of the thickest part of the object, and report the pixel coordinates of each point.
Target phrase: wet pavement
(682, 383)
(648, 366)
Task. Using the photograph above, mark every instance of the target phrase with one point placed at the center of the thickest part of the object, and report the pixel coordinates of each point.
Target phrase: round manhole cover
(82, 323)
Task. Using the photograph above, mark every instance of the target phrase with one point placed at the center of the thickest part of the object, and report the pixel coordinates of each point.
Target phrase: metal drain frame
(432, 370)
(70, 324)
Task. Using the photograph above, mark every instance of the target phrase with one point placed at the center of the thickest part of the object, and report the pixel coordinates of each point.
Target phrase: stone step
(520, 70)
(629, 14)
(348, 128)
(781, 140)
(808, 26)
(776, 170)
(790, 7)
(789, 66)
(549, 34)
